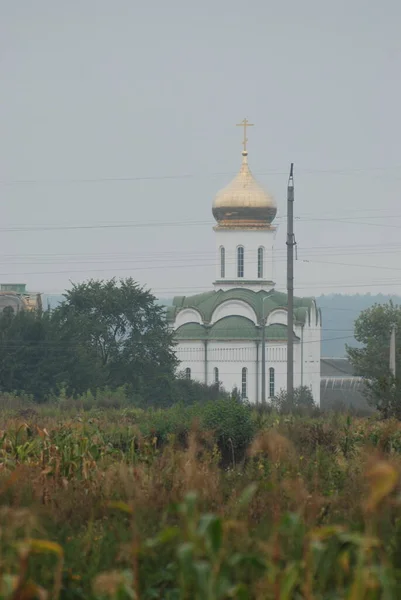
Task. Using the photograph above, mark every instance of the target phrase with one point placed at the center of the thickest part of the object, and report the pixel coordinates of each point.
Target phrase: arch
(229, 308)
(187, 373)
(222, 262)
(240, 261)
(272, 382)
(187, 315)
(261, 260)
(216, 376)
(244, 382)
(279, 315)
(191, 331)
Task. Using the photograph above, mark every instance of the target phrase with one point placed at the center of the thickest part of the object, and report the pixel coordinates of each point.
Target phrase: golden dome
(243, 202)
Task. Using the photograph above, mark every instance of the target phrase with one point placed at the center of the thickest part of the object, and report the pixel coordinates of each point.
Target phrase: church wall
(230, 357)
(187, 315)
(191, 354)
(251, 240)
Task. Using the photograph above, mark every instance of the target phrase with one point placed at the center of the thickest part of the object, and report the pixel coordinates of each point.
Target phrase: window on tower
(261, 252)
(187, 373)
(271, 382)
(244, 383)
(240, 261)
(222, 262)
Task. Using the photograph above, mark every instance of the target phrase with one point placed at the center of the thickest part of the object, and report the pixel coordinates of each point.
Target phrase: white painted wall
(234, 307)
(251, 240)
(187, 315)
(231, 356)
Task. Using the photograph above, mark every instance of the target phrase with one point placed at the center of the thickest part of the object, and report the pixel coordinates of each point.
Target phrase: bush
(188, 391)
(232, 423)
(301, 402)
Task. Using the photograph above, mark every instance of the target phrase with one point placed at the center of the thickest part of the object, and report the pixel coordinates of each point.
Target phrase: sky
(117, 124)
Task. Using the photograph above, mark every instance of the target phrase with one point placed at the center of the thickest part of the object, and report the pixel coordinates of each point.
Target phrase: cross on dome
(245, 123)
(244, 202)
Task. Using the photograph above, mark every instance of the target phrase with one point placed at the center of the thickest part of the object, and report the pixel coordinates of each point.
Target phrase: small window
(260, 262)
(187, 373)
(222, 262)
(216, 376)
(244, 383)
(271, 383)
(240, 261)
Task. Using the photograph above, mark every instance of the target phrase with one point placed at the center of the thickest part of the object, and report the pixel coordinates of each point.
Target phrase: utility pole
(392, 352)
(263, 355)
(290, 283)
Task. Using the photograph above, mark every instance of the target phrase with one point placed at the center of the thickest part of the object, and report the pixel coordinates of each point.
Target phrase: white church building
(219, 332)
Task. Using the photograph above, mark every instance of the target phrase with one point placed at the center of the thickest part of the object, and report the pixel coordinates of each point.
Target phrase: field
(206, 502)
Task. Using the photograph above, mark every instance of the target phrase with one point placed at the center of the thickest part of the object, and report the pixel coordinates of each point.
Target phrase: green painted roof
(207, 302)
(231, 328)
(234, 327)
(191, 331)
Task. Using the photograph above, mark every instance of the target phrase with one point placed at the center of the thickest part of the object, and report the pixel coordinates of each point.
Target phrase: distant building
(15, 297)
(219, 332)
(339, 386)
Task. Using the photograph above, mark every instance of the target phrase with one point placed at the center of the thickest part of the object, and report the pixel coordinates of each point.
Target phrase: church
(219, 333)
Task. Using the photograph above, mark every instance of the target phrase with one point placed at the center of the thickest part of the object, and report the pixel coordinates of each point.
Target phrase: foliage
(373, 330)
(300, 401)
(188, 391)
(92, 506)
(27, 353)
(105, 335)
(339, 313)
(123, 331)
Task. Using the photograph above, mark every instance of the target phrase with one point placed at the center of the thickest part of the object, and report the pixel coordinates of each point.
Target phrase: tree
(373, 330)
(301, 401)
(26, 356)
(115, 335)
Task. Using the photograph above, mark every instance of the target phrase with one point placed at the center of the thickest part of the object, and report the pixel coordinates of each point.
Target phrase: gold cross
(245, 123)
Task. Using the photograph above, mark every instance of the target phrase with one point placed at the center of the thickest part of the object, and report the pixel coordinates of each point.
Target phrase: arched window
(222, 262)
(244, 382)
(240, 261)
(271, 382)
(260, 262)
(216, 376)
(187, 373)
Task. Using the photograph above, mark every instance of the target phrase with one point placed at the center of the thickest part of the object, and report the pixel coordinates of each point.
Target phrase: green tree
(26, 356)
(373, 330)
(115, 334)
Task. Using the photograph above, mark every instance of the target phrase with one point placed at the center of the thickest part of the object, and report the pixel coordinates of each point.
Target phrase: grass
(205, 502)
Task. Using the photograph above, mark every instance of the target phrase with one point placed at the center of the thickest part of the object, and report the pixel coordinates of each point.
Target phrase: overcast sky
(122, 113)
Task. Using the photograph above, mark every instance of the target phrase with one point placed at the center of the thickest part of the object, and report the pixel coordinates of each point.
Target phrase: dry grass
(90, 507)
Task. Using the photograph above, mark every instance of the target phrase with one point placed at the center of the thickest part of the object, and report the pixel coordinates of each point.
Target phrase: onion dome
(244, 202)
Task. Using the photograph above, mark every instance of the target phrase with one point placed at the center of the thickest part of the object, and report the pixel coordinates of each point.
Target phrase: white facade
(230, 357)
(219, 333)
(258, 248)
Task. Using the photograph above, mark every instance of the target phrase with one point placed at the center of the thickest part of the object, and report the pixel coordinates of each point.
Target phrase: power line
(306, 171)
(62, 345)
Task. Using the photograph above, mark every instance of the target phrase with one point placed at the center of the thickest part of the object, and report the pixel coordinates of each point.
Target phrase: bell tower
(244, 212)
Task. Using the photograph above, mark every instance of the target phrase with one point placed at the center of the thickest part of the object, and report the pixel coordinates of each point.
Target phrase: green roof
(231, 328)
(207, 302)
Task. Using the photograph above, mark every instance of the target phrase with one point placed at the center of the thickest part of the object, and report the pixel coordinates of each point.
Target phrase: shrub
(232, 423)
(301, 401)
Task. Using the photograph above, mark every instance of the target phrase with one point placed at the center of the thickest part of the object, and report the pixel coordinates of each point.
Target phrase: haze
(124, 113)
